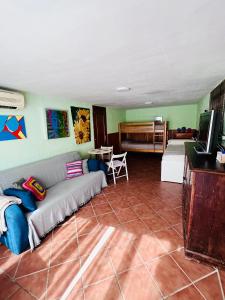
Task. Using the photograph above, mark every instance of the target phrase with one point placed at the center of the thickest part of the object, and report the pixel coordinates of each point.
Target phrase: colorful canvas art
(81, 124)
(57, 123)
(12, 128)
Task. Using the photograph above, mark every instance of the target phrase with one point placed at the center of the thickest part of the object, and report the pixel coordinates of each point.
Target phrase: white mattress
(172, 165)
(134, 145)
(174, 152)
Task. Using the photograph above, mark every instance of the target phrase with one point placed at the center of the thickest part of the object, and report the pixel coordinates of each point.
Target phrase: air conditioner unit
(12, 100)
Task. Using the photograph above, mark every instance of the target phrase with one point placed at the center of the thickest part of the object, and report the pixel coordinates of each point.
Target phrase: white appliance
(12, 100)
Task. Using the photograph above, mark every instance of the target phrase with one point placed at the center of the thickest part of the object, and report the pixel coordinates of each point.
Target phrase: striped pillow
(74, 169)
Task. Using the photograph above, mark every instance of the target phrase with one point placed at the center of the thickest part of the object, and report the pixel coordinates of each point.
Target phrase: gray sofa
(63, 196)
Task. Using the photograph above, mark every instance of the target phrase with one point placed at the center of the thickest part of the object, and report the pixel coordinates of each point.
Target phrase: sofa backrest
(49, 171)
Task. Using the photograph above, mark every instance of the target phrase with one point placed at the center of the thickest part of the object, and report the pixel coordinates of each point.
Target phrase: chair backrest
(121, 157)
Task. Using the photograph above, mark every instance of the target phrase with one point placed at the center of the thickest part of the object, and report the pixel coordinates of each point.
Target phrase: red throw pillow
(32, 185)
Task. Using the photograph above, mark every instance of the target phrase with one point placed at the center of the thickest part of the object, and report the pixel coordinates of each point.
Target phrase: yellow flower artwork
(81, 124)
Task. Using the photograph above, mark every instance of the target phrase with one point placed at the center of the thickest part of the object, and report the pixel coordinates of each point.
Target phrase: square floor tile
(143, 211)
(137, 284)
(135, 228)
(86, 243)
(119, 204)
(9, 264)
(4, 252)
(21, 295)
(34, 261)
(171, 216)
(35, 283)
(179, 229)
(109, 219)
(99, 199)
(87, 225)
(99, 269)
(169, 239)
(155, 223)
(126, 215)
(7, 287)
(107, 289)
(124, 259)
(210, 287)
(193, 269)
(64, 251)
(65, 231)
(189, 293)
(168, 275)
(149, 247)
(60, 277)
(102, 209)
(85, 211)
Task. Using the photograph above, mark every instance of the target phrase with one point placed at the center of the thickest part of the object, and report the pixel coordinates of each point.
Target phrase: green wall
(114, 117)
(37, 146)
(177, 115)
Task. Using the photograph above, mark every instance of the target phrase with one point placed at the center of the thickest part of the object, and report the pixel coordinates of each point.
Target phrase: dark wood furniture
(204, 208)
(143, 136)
(217, 102)
(174, 134)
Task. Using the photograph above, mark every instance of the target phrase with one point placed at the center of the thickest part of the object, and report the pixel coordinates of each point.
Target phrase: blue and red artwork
(12, 128)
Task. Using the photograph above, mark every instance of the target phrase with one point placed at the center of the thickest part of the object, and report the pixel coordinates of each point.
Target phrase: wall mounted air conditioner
(12, 100)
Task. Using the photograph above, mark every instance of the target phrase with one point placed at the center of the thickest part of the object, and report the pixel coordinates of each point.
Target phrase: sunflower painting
(81, 124)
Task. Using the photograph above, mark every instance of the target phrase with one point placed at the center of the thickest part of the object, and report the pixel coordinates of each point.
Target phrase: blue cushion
(103, 167)
(93, 165)
(28, 199)
(16, 236)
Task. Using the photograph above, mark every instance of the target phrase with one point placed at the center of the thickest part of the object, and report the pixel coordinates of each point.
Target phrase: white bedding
(132, 145)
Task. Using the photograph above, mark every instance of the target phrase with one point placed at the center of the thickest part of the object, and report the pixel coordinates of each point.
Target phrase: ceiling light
(148, 102)
(123, 89)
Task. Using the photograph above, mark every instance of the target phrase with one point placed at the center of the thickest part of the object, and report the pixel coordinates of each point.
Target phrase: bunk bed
(143, 136)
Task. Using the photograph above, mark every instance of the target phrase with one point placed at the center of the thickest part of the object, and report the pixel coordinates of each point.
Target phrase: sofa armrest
(16, 236)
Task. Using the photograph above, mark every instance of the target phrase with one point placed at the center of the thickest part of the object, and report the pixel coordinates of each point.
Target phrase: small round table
(99, 152)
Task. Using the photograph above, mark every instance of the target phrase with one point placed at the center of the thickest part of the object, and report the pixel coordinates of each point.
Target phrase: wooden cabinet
(217, 102)
(204, 208)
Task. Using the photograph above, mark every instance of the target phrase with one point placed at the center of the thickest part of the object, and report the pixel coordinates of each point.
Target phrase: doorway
(100, 127)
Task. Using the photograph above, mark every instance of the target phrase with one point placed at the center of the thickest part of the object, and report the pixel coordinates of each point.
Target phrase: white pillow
(178, 141)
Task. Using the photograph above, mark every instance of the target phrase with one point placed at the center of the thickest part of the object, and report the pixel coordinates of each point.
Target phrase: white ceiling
(166, 51)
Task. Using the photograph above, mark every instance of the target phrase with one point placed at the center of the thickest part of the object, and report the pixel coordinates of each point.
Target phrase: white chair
(107, 156)
(116, 164)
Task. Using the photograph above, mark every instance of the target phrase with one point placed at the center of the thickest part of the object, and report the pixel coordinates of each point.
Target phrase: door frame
(95, 109)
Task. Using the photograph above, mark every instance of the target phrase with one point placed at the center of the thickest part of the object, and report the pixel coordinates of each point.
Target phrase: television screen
(206, 124)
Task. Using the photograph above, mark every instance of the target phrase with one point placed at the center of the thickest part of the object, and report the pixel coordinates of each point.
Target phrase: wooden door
(100, 129)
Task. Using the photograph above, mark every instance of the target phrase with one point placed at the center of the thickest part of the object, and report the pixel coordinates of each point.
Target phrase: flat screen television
(208, 132)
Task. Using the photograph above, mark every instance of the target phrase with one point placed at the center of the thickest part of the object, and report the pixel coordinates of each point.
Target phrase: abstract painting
(81, 124)
(57, 123)
(12, 128)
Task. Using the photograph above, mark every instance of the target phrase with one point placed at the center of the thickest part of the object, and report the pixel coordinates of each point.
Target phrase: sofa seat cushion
(61, 201)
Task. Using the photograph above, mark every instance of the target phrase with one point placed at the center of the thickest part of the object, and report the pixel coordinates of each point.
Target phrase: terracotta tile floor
(142, 259)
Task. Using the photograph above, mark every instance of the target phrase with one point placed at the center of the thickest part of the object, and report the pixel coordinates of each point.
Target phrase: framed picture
(81, 124)
(57, 123)
(12, 128)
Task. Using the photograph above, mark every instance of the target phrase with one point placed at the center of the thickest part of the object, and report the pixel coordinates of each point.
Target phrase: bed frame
(143, 136)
